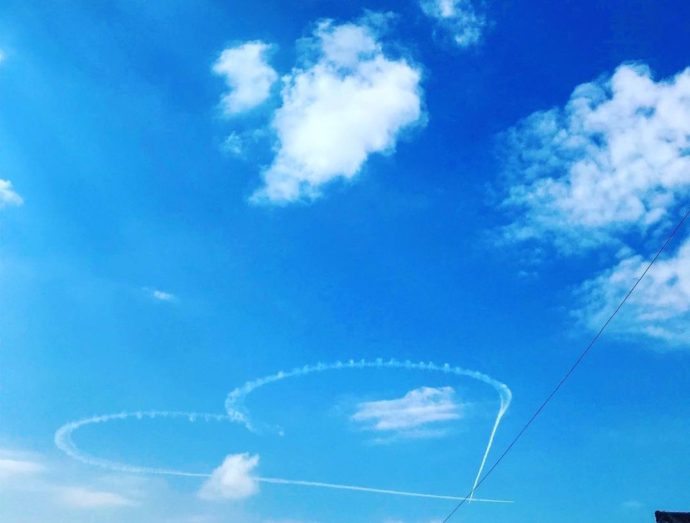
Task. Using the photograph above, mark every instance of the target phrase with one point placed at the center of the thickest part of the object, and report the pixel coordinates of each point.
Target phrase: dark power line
(571, 370)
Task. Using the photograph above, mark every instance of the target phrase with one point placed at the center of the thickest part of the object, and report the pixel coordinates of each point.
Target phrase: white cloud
(233, 479)
(84, 498)
(417, 408)
(233, 144)
(247, 74)
(2, 56)
(160, 295)
(11, 468)
(658, 310)
(7, 194)
(615, 159)
(349, 101)
(459, 18)
(610, 168)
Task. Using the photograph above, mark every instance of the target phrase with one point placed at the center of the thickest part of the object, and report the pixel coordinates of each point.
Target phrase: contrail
(63, 440)
(236, 413)
(235, 408)
(355, 488)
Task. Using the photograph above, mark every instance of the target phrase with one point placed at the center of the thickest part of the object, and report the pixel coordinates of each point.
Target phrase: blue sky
(197, 195)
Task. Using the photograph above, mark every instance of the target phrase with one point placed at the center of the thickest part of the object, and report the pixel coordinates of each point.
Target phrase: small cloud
(84, 498)
(160, 295)
(247, 74)
(3, 56)
(411, 413)
(233, 479)
(233, 144)
(459, 18)
(7, 194)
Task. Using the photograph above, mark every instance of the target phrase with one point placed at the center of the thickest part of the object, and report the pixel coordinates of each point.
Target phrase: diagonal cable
(572, 368)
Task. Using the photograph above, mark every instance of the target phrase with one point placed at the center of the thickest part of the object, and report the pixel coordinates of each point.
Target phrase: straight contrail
(336, 486)
(237, 413)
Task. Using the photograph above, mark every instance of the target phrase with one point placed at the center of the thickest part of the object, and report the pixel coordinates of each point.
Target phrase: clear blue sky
(198, 194)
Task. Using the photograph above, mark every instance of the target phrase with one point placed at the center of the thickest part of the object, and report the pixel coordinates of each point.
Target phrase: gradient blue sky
(500, 217)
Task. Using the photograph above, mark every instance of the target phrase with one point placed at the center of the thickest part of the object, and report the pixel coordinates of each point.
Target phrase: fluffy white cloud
(233, 479)
(7, 194)
(247, 74)
(660, 307)
(349, 101)
(415, 409)
(611, 166)
(615, 159)
(460, 18)
(85, 498)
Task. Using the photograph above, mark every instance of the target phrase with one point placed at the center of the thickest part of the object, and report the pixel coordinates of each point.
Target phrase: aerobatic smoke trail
(235, 408)
(236, 413)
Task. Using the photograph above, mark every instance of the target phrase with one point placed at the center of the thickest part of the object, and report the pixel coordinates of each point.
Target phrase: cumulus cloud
(615, 159)
(7, 194)
(85, 498)
(658, 310)
(417, 408)
(459, 18)
(348, 101)
(610, 168)
(233, 479)
(247, 74)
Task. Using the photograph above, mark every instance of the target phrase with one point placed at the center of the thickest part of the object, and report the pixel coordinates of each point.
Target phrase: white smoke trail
(236, 413)
(235, 408)
(336, 486)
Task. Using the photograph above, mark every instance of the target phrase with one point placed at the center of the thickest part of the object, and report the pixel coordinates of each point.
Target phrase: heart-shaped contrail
(237, 413)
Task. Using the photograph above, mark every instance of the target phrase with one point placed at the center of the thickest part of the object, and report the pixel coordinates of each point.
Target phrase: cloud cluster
(416, 409)
(232, 479)
(615, 158)
(459, 18)
(8, 196)
(247, 74)
(611, 166)
(350, 100)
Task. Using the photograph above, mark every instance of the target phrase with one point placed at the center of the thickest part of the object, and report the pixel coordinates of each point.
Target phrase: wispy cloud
(658, 310)
(232, 479)
(461, 19)
(86, 498)
(411, 414)
(8, 196)
(349, 101)
(14, 467)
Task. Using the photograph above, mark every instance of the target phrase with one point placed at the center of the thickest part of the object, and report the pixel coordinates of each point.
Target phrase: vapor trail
(236, 413)
(63, 440)
(235, 399)
(336, 486)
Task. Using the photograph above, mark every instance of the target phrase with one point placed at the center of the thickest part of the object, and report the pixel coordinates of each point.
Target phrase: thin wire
(570, 370)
